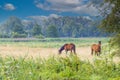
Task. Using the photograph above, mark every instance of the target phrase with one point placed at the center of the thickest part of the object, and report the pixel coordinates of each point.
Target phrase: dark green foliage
(17, 35)
(37, 30)
(51, 31)
(4, 36)
(39, 36)
(18, 28)
(111, 23)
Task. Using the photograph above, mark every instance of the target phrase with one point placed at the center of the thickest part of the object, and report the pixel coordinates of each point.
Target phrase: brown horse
(67, 47)
(96, 48)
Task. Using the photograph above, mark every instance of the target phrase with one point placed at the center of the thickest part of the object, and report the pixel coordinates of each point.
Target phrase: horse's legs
(66, 51)
(74, 50)
(99, 53)
(91, 51)
(96, 53)
(70, 52)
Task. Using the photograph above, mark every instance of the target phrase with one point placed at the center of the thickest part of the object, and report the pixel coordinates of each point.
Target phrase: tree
(13, 26)
(67, 30)
(68, 27)
(37, 30)
(51, 31)
(18, 28)
(111, 22)
(75, 33)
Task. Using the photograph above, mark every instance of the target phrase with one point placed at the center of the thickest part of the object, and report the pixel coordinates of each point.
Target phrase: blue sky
(27, 8)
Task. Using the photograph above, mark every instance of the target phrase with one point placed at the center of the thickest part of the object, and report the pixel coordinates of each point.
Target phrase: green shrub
(17, 35)
(39, 36)
(4, 36)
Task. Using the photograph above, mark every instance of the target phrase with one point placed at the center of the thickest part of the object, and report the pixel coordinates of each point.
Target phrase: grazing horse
(67, 47)
(96, 48)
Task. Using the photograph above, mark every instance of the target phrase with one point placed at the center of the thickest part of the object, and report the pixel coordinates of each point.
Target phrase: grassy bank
(57, 68)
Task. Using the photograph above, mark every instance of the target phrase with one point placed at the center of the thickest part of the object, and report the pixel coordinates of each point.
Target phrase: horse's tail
(74, 49)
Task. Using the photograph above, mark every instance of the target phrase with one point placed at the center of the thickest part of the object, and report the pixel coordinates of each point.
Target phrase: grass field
(70, 67)
(51, 42)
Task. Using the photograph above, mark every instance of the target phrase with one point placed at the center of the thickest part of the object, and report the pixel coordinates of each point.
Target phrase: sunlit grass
(57, 68)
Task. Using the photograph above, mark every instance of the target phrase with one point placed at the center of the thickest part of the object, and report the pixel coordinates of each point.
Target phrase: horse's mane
(62, 48)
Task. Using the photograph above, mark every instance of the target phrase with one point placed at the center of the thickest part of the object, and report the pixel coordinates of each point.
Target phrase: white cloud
(87, 17)
(9, 6)
(54, 16)
(64, 2)
(91, 10)
(38, 18)
(74, 6)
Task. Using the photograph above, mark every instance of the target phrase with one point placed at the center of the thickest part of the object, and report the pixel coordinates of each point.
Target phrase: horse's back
(69, 46)
(95, 47)
(72, 45)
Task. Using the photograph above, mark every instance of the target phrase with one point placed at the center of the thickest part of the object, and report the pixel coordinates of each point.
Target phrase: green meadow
(57, 68)
(51, 42)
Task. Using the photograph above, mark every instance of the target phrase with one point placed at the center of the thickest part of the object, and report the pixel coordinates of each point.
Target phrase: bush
(4, 36)
(17, 35)
(39, 36)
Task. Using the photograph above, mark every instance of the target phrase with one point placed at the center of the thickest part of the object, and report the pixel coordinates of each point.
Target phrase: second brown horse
(68, 47)
(96, 48)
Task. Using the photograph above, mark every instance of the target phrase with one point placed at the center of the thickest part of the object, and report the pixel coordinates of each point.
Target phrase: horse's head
(59, 51)
(99, 42)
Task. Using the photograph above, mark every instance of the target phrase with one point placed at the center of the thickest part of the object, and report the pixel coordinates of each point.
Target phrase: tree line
(13, 27)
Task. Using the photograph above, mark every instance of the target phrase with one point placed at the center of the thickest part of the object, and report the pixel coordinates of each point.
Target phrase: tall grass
(58, 68)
